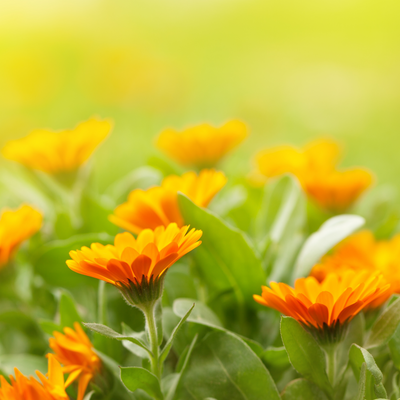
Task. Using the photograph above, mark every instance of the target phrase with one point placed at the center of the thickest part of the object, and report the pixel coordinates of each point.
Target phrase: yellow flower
(158, 206)
(202, 145)
(328, 304)
(15, 227)
(132, 263)
(362, 252)
(56, 152)
(315, 167)
(23, 388)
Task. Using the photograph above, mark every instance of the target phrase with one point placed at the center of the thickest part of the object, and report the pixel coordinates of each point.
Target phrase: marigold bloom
(74, 351)
(136, 263)
(315, 168)
(362, 252)
(334, 301)
(56, 152)
(158, 206)
(15, 227)
(23, 388)
(202, 145)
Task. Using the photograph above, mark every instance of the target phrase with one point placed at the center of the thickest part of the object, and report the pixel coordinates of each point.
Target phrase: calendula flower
(51, 387)
(158, 206)
(15, 227)
(202, 145)
(136, 266)
(362, 251)
(315, 167)
(325, 307)
(75, 352)
(56, 152)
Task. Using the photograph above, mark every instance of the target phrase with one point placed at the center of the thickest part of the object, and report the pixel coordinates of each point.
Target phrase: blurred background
(291, 70)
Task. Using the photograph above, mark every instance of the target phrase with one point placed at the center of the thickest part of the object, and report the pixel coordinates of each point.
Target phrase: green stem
(102, 304)
(151, 326)
(331, 355)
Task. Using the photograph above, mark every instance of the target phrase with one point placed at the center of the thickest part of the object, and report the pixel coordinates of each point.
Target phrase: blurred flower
(201, 145)
(136, 266)
(23, 388)
(55, 152)
(315, 168)
(158, 206)
(74, 351)
(15, 227)
(362, 252)
(327, 305)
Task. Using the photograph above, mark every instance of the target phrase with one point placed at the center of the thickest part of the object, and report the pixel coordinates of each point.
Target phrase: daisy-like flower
(51, 387)
(15, 227)
(136, 267)
(57, 152)
(158, 206)
(315, 167)
(202, 145)
(362, 251)
(324, 308)
(74, 351)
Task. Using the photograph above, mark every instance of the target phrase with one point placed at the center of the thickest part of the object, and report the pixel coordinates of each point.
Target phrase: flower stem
(331, 358)
(102, 304)
(151, 326)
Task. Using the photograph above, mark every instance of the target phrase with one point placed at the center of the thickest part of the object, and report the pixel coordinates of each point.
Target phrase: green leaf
(222, 366)
(168, 345)
(275, 357)
(385, 326)
(203, 315)
(139, 378)
(110, 333)
(361, 395)
(319, 243)
(132, 347)
(49, 327)
(176, 377)
(394, 346)
(68, 313)
(27, 364)
(301, 389)
(358, 356)
(49, 260)
(306, 356)
(226, 259)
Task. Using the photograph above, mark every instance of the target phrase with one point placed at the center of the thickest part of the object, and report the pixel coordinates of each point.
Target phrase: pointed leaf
(139, 378)
(385, 326)
(306, 356)
(68, 313)
(302, 389)
(168, 345)
(319, 243)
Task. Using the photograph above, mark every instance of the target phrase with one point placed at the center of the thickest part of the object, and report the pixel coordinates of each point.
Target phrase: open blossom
(316, 169)
(321, 305)
(56, 152)
(158, 206)
(202, 145)
(51, 387)
(362, 251)
(15, 227)
(132, 263)
(75, 352)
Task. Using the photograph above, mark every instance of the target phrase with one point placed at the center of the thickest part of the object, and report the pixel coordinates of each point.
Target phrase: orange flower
(55, 152)
(75, 352)
(158, 206)
(202, 145)
(136, 263)
(327, 304)
(23, 388)
(362, 252)
(15, 227)
(315, 168)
